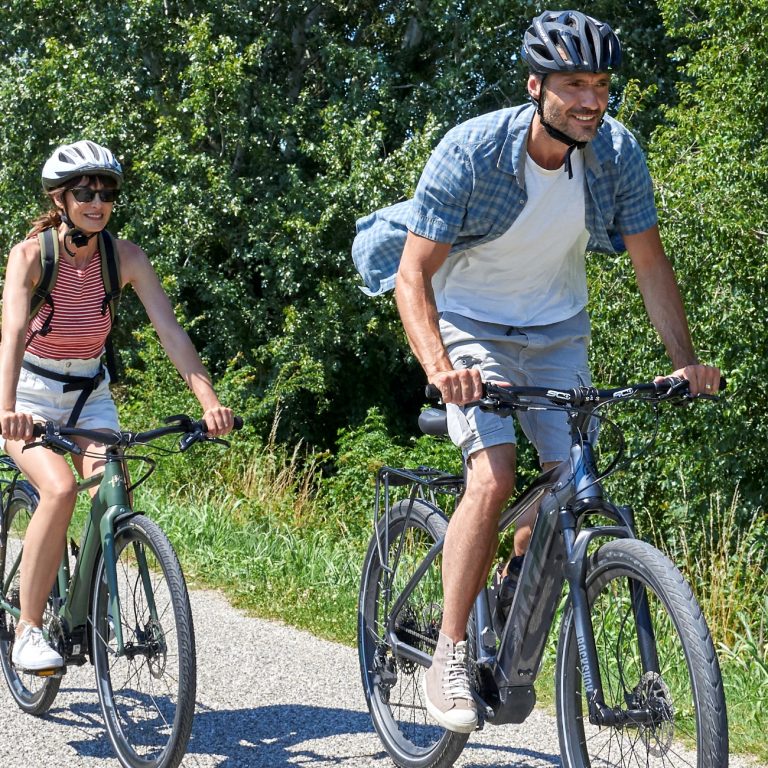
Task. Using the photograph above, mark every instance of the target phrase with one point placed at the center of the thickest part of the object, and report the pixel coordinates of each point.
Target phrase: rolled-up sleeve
(635, 204)
(439, 205)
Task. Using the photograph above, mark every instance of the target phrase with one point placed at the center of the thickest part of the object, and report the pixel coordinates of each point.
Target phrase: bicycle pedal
(51, 672)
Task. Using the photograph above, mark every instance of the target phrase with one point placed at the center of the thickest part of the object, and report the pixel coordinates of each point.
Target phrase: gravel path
(269, 696)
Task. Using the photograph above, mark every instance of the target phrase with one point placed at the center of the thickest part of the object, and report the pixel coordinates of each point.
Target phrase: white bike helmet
(83, 158)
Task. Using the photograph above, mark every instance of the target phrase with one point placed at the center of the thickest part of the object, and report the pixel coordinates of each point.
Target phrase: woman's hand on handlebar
(16, 426)
(702, 379)
(219, 420)
(464, 385)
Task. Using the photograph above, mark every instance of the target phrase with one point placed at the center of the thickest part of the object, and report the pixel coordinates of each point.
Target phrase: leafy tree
(253, 134)
(708, 158)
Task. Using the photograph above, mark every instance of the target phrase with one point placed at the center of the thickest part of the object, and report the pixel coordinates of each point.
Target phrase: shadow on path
(281, 736)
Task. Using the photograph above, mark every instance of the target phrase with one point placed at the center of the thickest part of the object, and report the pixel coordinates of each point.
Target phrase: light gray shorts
(45, 399)
(537, 356)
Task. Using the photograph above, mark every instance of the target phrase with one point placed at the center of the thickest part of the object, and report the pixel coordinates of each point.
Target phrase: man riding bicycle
(491, 285)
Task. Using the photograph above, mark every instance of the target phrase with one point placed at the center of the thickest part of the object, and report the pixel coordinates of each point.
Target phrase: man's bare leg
(472, 537)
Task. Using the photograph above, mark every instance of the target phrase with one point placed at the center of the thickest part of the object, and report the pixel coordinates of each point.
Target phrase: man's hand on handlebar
(461, 386)
(702, 379)
(219, 420)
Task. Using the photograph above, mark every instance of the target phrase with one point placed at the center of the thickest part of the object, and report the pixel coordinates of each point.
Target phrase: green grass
(305, 577)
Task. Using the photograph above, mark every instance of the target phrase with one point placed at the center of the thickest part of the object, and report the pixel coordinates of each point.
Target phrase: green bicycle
(119, 600)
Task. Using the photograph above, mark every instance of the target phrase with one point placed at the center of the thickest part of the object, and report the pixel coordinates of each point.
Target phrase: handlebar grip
(238, 423)
(673, 381)
(431, 392)
(38, 429)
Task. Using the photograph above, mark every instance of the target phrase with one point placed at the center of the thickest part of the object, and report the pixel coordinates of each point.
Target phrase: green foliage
(708, 158)
(349, 492)
(252, 136)
(712, 186)
(722, 556)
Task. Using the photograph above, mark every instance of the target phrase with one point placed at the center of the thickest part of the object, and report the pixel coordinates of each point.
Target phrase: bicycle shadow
(281, 736)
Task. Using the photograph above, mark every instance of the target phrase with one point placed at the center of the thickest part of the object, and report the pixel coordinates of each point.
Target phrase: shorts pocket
(459, 429)
(32, 384)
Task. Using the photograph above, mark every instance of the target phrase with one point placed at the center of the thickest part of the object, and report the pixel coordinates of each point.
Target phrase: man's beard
(560, 120)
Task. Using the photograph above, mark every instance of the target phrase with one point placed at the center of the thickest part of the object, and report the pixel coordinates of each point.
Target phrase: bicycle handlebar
(498, 396)
(57, 437)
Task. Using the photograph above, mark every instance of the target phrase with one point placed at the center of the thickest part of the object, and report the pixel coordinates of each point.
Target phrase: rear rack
(426, 483)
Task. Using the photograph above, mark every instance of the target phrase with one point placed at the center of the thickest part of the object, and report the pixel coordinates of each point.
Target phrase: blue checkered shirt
(473, 188)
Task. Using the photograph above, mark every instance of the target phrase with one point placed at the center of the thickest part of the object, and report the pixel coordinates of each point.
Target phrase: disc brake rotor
(653, 693)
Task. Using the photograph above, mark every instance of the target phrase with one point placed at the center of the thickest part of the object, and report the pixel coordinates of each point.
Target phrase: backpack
(110, 275)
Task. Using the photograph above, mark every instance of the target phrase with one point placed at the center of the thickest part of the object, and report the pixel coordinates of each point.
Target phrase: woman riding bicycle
(43, 357)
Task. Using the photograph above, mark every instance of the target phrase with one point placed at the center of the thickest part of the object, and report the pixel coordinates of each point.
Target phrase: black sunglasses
(86, 194)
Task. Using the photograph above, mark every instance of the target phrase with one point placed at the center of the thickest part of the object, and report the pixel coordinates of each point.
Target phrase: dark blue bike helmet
(570, 41)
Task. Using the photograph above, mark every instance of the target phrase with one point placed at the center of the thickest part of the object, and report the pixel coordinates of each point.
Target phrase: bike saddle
(433, 421)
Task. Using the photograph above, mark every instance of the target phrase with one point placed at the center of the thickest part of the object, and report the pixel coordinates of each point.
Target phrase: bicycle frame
(557, 553)
(110, 505)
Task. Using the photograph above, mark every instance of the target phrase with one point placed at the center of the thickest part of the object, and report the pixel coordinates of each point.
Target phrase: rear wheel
(147, 693)
(672, 710)
(392, 682)
(33, 694)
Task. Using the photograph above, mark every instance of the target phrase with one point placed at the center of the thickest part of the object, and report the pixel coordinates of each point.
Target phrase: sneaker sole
(442, 718)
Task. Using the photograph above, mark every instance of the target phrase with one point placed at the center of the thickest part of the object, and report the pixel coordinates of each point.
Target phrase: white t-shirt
(534, 273)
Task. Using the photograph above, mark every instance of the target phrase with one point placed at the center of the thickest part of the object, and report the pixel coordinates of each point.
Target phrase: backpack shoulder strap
(49, 266)
(110, 274)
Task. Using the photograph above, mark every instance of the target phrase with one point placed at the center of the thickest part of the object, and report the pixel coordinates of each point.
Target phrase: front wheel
(33, 694)
(672, 707)
(147, 693)
(391, 681)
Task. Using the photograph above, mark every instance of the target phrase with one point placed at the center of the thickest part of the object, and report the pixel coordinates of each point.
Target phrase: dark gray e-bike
(637, 684)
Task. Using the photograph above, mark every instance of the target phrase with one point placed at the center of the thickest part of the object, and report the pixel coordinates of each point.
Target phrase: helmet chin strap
(75, 234)
(557, 134)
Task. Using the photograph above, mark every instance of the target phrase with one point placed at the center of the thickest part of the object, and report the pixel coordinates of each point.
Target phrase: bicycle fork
(577, 559)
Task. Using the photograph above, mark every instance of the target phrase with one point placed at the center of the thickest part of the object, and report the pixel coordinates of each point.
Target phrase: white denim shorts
(545, 355)
(45, 399)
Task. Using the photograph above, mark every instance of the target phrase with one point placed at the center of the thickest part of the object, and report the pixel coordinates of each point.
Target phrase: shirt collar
(512, 155)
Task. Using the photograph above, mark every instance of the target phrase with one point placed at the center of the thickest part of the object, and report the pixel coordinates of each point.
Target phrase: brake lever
(188, 440)
(703, 396)
(57, 444)
(494, 405)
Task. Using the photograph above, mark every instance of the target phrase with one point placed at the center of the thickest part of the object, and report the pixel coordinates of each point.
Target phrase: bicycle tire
(392, 684)
(685, 693)
(147, 694)
(32, 693)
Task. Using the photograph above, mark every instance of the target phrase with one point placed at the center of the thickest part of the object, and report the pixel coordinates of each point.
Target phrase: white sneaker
(31, 653)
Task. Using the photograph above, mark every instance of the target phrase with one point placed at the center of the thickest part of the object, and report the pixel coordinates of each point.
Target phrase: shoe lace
(455, 678)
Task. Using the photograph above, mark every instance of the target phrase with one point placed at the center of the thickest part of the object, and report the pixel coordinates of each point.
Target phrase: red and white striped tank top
(78, 328)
